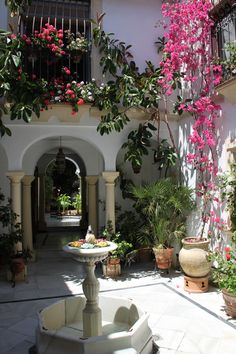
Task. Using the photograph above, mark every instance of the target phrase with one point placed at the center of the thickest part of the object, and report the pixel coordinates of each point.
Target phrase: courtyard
(181, 322)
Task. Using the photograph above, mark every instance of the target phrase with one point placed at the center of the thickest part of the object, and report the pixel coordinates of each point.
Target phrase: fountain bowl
(124, 328)
(90, 254)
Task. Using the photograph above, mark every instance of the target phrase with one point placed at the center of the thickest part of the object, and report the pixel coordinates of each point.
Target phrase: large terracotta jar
(193, 257)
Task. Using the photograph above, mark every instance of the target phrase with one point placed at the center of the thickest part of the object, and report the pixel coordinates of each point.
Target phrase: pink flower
(80, 102)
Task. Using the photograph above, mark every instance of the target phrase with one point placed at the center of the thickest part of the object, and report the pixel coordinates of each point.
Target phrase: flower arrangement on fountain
(83, 244)
(89, 242)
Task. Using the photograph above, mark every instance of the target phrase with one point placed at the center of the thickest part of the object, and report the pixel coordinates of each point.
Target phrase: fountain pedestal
(92, 316)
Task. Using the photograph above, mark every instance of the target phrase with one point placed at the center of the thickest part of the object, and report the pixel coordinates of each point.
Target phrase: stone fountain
(91, 323)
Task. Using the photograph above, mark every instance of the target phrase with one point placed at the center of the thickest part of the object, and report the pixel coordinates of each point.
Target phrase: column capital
(27, 180)
(15, 176)
(91, 179)
(110, 176)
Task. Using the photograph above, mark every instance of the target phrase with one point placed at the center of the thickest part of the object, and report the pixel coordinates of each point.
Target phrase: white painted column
(15, 179)
(92, 202)
(42, 223)
(83, 220)
(27, 214)
(110, 177)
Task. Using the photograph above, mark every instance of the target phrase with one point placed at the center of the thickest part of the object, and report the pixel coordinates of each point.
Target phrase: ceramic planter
(193, 257)
(163, 257)
(230, 303)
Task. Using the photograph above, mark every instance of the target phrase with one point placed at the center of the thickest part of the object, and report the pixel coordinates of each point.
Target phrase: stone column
(83, 220)
(15, 178)
(92, 202)
(42, 224)
(110, 177)
(27, 214)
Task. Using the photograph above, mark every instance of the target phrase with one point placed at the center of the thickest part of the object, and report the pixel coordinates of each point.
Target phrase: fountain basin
(124, 328)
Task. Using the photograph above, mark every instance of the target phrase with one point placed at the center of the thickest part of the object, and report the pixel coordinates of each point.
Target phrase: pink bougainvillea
(188, 51)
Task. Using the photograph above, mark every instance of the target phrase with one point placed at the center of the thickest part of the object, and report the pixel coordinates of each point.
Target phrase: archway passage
(60, 194)
(63, 200)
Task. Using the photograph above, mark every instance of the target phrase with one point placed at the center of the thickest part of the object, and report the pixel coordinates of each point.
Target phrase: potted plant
(123, 252)
(77, 203)
(10, 237)
(11, 231)
(224, 274)
(164, 206)
(77, 45)
(64, 202)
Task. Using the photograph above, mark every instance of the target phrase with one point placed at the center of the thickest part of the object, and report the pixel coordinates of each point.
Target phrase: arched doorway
(61, 193)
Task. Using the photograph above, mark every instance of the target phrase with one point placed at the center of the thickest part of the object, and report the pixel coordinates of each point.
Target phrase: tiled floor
(181, 322)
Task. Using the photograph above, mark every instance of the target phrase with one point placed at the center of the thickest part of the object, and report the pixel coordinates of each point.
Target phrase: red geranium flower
(80, 102)
(228, 257)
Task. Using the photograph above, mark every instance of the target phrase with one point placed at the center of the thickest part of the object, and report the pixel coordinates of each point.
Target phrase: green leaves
(112, 121)
(16, 5)
(137, 145)
(165, 156)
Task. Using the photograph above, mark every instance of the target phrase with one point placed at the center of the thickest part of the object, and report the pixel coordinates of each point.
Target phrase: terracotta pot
(163, 257)
(111, 269)
(145, 254)
(17, 265)
(193, 257)
(230, 303)
(114, 261)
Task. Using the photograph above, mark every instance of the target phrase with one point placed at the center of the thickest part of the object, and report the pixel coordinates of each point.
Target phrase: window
(72, 16)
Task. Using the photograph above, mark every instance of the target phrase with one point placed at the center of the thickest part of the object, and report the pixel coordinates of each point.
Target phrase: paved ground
(181, 322)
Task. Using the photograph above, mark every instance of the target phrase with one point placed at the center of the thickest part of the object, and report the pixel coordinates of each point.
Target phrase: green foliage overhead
(126, 89)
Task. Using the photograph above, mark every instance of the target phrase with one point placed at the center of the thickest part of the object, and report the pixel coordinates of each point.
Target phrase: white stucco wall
(134, 21)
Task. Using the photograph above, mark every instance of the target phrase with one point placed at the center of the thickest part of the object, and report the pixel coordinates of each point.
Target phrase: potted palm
(64, 202)
(164, 205)
(77, 203)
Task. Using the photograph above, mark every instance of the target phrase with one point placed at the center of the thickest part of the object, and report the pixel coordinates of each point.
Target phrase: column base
(196, 285)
